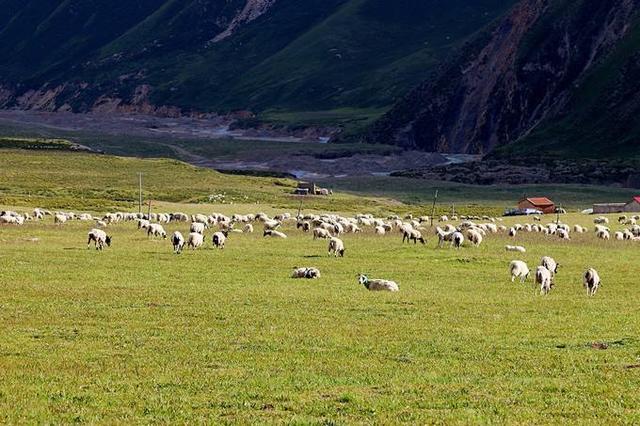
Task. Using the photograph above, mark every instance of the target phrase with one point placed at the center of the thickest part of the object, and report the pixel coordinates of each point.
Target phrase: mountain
(550, 78)
(225, 55)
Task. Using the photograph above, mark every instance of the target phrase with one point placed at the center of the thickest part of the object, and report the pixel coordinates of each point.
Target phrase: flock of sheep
(331, 227)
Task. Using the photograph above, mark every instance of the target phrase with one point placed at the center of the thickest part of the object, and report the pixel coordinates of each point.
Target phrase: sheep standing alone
(544, 279)
(219, 238)
(178, 242)
(99, 238)
(308, 273)
(519, 269)
(377, 284)
(336, 247)
(591, 281)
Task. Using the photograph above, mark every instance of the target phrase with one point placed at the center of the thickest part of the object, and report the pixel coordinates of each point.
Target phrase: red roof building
(543, 204)
(633, 205)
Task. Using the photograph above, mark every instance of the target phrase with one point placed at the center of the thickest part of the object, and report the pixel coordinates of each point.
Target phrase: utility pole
(139, 192)
(433, 208)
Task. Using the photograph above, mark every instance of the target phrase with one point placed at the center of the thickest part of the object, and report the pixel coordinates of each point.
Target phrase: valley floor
(137, 334)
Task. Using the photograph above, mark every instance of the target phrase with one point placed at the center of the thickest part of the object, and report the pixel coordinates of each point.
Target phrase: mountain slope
(212, 55)
(558, 76)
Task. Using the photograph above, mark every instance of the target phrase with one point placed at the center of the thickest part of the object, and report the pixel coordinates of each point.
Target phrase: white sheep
(271, 233)
(544, 279)
(513, 232)
(457, 239)
(219, 238)
(197, 227)
(413, 235)
(336, 247)
(60, 218)
(248, 228)
(99, 238)
(603, 234)
(563, 234)
(518, 249)
(475, 237)
(156, 230)
(377, 284)
(591, 281)
(550, 263)
(308, 273)
(380, 230)
(519, 269)
(178, 242)
(601, 220)
(195, 240)
(321, 233)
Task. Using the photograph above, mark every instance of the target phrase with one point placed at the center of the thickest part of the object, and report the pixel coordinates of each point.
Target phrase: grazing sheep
(550, 264)
(518, 249)
(591, 281)
(413, 235)
(178, 242)
(603, 234)
(248, 228)
(336, 247)
(219, 238)
(457, 239)
(377, 284)
(601, 220)
(60, 218)
(308, 273)
(475, 237)
(271, 233)
(563, 234)
(618, 236)
(99, 238)
(380, 230)
(304, 225)
(321, 233)
(519, 269)
(579, 229)
(512, 232)
(156, 230)
(544, 279)
(270, 224)
(101, 223)
(195, 240)
(197, 227)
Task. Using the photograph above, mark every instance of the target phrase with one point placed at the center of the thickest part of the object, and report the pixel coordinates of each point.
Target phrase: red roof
(637, 199)
(540, 201)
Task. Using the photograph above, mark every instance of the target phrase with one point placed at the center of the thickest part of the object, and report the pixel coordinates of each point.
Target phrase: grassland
(226, 337)
(137, 334)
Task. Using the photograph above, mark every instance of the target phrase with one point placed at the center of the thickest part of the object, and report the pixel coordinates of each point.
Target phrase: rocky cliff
(530, 73)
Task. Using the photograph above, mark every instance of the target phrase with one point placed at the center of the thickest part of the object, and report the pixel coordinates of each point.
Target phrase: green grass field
(136, 334)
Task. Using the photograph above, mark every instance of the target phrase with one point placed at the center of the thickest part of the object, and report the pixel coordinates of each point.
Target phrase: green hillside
(300, 55)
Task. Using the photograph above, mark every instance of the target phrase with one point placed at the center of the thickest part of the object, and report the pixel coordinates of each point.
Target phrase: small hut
(543, 204)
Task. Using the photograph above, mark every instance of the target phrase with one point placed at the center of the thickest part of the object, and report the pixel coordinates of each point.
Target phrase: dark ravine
(523, 77)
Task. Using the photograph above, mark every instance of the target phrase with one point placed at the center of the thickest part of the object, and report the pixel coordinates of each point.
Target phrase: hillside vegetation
(299, 55)
(558, 78)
